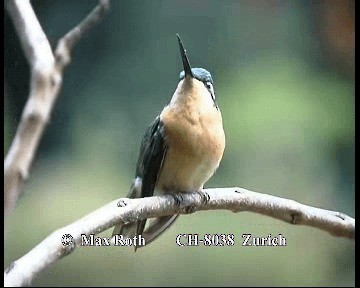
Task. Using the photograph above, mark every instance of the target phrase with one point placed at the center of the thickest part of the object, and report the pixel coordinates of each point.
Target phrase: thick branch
(23, 270)
(46, 80)
(33, 39)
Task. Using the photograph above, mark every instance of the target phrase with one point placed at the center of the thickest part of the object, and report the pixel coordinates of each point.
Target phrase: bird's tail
(155, 229)
(137, 228)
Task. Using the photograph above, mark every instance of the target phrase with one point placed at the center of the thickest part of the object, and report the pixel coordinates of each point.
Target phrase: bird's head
(190, 76)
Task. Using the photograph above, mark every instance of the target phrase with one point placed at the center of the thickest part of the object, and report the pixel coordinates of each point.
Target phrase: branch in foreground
(22, 271)
(46, 80)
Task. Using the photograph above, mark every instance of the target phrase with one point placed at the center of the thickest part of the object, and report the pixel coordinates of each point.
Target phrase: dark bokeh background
(284, 79)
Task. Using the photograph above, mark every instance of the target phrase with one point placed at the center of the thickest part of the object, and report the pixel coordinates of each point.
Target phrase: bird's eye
(210, 87)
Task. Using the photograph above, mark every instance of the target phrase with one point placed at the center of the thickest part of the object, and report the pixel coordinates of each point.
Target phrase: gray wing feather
(152, 154)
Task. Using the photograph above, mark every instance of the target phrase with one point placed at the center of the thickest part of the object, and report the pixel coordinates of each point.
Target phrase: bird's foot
(178, 198)
(205, 197)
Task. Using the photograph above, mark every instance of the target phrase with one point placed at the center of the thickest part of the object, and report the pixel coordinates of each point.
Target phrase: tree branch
(46, 80)
(22, 271)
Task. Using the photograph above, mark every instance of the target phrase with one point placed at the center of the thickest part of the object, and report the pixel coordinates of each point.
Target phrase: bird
(181, 149)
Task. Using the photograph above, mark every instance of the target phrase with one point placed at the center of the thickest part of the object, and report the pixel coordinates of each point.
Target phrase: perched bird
(181, 149)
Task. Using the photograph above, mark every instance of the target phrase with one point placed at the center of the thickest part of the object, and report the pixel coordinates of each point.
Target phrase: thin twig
(46, 80)
(22, 271)
(66, 43)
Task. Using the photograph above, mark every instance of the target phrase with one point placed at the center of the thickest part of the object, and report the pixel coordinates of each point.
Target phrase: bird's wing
(152, 154)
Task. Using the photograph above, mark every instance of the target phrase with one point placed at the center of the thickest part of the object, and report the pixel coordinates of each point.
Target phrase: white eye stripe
(210, 87)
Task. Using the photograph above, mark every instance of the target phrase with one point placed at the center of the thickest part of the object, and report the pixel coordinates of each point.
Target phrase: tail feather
(157, 227)
(137, 228)
(128, 230)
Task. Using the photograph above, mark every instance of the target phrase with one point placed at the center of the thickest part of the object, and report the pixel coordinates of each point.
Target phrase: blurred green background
(284, 80)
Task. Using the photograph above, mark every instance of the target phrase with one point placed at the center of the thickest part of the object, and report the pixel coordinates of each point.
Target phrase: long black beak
(185, 60)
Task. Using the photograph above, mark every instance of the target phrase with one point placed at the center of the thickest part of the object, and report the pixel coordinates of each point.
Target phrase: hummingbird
(180, 150)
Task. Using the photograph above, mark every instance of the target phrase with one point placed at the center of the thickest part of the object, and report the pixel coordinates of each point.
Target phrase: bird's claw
(205, 197)
(178, 198)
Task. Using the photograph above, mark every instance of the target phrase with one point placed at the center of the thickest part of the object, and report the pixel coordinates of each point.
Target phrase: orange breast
(196, 141)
